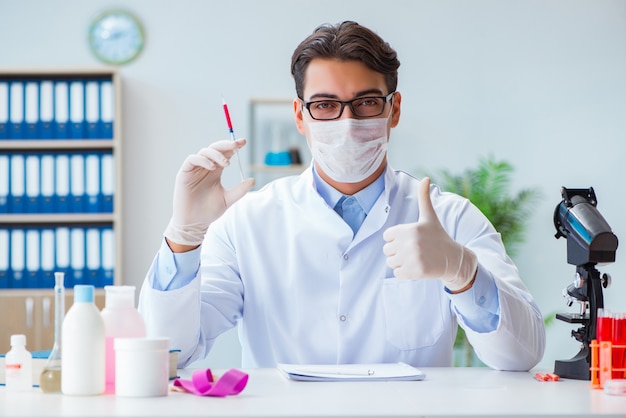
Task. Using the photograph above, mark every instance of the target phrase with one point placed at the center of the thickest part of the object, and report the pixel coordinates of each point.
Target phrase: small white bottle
(19, 365)
(83, 346)
(121, 320)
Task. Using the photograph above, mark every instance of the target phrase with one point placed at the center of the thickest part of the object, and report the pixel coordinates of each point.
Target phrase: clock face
(116, 37)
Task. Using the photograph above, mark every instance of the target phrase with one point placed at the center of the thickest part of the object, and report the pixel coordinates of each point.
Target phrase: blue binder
(61, 109)
(93, 256)
(46, 109)
(77, 183)
(107, 108)
(92, 109)
(5, 246)
(62, 183)
(16, 109)
(33, 184)
(107, 181)
(47, 183)
(31, 109)
(92, 183)
(107, 245)
(18, 258)
(33, 246)
(78, 255)
(5, 181)
(77, 109)
(18, 184)
(4, 109)
(62, 254)
(48, 258)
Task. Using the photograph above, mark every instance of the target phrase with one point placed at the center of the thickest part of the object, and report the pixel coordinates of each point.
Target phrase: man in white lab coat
(349, 262)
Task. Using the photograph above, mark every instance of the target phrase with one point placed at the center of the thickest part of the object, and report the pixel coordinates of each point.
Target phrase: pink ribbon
(202, 383)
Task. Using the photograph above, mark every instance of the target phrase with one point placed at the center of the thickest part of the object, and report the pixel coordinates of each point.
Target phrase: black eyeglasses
(361, 107)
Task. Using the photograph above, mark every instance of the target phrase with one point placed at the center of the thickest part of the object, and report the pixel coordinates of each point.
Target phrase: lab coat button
(481, 300)
(346, 256)
(342, 318)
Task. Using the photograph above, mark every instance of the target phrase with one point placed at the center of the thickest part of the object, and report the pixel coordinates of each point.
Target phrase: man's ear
(297, 113)
(395, 111)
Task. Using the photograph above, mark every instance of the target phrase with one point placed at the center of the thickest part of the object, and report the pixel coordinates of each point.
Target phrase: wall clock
(116, 37)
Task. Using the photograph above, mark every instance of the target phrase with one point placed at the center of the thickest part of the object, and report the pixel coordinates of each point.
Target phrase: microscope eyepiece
(589, 236)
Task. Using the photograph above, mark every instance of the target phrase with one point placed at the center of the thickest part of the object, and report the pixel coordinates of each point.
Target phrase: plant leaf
(488, 187)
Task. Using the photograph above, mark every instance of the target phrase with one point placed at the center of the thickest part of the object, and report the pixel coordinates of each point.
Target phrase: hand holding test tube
(199, 197)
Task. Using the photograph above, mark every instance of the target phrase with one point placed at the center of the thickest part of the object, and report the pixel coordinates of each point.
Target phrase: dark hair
(346, 41)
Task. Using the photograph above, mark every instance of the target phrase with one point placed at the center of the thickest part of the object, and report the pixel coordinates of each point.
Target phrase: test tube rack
(602, 363)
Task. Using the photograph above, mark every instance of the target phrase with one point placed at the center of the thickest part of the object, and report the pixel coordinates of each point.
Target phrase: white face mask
(349, 150)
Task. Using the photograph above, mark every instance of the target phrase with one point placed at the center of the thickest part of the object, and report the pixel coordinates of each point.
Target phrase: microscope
(589, 241)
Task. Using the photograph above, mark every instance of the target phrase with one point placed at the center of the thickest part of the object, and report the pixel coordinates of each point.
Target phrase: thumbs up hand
(424, 250)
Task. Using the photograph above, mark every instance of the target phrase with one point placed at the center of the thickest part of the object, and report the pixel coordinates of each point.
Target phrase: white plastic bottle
(121, 320)
(83, 346)
(19, 365)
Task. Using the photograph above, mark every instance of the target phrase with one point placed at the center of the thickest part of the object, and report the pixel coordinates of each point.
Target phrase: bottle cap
(119, 296)
(142, 344)
(84, 293)
(18, 340)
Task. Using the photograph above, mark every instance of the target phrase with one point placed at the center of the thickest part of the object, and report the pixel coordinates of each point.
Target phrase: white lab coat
(283, 264)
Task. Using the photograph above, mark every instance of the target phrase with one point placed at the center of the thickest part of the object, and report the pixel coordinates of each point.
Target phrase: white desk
(445, 392)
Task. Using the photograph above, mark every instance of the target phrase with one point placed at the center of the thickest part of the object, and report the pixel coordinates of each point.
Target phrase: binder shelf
(60, 178)
(60, 188)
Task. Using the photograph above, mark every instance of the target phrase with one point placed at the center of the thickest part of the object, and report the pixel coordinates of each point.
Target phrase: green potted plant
(488, 187)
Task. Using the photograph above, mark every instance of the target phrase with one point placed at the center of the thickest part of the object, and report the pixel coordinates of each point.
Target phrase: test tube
(604, 325)
(619, 339)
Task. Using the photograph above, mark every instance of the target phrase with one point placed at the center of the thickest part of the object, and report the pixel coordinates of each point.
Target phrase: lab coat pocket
(412, 313)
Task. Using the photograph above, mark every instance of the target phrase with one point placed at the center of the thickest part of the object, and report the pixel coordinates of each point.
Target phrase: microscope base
(575, 368)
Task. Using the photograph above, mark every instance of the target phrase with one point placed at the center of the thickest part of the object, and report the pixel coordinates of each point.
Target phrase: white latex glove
(424, 250)
(199, 197)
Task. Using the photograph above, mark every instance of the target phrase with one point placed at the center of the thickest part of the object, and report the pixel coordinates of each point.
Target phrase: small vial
(19, 365)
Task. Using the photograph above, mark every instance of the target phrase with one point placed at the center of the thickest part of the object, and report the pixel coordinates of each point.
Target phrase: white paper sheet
(351, 372)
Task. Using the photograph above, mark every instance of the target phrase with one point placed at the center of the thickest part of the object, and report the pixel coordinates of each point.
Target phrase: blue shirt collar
(366, 197)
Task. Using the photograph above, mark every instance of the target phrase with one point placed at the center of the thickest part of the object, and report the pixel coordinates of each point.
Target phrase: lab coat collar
(377, 217)
(307, 182)
(366, 197)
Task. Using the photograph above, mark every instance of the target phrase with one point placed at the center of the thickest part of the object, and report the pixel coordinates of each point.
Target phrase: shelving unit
(91, 219)
(273, 131)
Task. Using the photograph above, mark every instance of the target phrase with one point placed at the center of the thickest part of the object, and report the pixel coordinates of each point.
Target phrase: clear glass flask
(50, 378)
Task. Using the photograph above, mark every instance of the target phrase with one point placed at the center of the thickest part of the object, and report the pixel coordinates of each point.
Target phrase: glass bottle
(19, 365)
(50, 378)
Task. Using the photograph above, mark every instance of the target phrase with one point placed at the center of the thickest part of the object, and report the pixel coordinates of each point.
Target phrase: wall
(539, 83)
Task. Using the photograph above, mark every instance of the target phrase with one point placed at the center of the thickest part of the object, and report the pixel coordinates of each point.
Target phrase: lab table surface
(445, 392)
